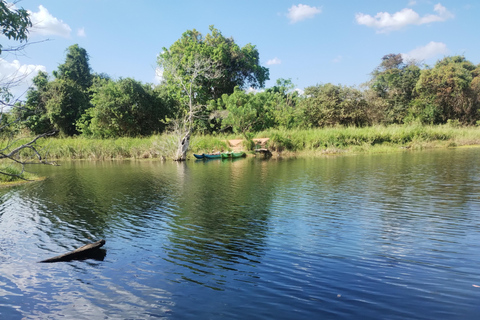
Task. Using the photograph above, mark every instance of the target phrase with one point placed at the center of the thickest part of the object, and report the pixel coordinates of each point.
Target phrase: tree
(34, 112)
(65, 104)
(124, 108)
(394, 81)
(328, 105)
(252, 112)
(76, 67)
(187, 77)
(450, 91)
(240, 67)
(67, 97)
(14, 25)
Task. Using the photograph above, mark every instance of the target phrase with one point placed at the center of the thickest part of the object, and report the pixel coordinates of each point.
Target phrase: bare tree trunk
(183, 147)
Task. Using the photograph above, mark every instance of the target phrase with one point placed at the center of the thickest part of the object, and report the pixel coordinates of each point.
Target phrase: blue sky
(311, 42)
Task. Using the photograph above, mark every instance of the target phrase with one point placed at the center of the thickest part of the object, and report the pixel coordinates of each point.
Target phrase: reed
(294, 141)
(370, 139)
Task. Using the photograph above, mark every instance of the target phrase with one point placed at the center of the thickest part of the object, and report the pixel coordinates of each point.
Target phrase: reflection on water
(373, 236)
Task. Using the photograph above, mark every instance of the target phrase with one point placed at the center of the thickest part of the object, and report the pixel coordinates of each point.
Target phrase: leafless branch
(188, 78)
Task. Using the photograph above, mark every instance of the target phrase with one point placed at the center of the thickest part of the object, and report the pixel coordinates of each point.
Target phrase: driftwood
(89, 251)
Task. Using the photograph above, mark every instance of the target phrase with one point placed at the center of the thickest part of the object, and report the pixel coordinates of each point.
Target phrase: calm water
(385, 236)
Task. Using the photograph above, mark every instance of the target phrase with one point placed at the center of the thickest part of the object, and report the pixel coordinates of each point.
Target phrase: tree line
(203, 88)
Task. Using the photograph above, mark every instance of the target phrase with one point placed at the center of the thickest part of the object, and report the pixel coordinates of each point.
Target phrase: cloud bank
(44, 24)
(385, 22)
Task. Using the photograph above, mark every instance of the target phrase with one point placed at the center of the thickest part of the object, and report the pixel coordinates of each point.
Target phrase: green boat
(230, 155)
(212, 156)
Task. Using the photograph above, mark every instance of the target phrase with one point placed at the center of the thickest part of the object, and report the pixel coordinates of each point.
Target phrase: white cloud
(274, 61)
(302, 12)
(385, 22)
(18, 77)
(81, 32)
(43, 23)
(412, 3)
(431, 50)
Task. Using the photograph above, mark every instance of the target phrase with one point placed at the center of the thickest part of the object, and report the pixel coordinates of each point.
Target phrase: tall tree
(240, 66)
(394, 81)
(67, 97)
(76, 67)
(188, 77)
(450, 90)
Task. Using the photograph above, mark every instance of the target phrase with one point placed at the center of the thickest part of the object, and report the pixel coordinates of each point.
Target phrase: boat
(199, 156)
(212, 156)
(229, 155)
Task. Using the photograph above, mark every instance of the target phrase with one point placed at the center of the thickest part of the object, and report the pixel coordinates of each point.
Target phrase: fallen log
(88, 251)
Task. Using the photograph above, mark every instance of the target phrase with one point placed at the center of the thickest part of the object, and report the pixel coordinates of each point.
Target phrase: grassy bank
(285, 142)
(14, 175)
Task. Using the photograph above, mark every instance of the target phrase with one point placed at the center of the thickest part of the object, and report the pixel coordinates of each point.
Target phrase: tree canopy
(239, 66)
(76, 67)
(123, 108)
(450, 90)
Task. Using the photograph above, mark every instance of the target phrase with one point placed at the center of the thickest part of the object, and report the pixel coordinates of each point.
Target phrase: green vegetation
(202, 101)
(283, 142)
(12, 175)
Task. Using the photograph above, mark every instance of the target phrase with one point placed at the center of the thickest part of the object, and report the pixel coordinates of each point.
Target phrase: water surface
(372, 236)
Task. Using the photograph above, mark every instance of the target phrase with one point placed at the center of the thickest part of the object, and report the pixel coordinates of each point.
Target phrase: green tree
(67, 97)
(239, 66)
(65, 103)
(287, 115)
(450, 91)
(34, 112)
(76, 67)
(328, 105)
(124, 108)
(252, 112)
(394, 81)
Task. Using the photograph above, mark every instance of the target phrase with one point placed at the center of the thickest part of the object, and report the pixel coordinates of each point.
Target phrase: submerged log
(88, 251)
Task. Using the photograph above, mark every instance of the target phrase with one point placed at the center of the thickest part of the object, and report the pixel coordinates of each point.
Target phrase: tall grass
(327, 140)
(13, 174)
(370, 138)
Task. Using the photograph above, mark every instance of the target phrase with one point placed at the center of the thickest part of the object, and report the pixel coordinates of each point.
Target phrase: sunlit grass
(13, 175)
(336, 140)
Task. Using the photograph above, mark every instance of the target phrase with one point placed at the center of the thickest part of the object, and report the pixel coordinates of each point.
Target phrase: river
(390, 236)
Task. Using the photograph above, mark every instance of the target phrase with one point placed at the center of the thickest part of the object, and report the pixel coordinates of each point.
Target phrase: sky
(310, 42)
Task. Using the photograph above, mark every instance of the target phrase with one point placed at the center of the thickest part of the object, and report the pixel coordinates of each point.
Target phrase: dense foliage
(239, 66)
(205, 82)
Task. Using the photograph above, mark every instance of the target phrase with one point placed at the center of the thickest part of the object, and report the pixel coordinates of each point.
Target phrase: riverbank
(13, 176)
(282, 143)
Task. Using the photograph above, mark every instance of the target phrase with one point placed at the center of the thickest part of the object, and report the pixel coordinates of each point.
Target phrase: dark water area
(393, 236)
